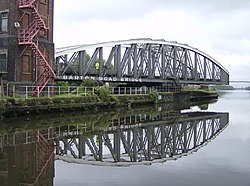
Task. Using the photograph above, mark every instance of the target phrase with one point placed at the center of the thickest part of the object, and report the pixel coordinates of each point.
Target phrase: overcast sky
(219, 28)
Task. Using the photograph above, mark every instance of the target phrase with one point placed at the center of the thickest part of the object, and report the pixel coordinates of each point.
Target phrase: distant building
(26, 39)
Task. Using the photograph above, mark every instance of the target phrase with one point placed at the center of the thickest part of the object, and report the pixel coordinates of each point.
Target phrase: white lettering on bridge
(99, 78)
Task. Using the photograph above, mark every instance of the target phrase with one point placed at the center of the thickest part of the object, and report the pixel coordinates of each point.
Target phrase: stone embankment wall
(20, 106)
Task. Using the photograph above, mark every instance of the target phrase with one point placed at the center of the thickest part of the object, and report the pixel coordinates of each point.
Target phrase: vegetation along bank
(102, 99)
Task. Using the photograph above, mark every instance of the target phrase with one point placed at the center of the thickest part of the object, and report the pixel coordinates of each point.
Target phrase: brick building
(26, 39)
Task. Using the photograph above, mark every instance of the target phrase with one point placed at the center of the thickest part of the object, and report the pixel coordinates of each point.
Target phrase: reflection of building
(3, 168)
(26, 37)
(142, 140)
(27, 158)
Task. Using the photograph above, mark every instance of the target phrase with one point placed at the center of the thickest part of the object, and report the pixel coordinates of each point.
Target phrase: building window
(26, 64)
(4, 22)
(3, 62)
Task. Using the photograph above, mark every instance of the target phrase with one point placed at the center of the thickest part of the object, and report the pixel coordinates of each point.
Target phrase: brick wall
(4, 4)
(23, 69)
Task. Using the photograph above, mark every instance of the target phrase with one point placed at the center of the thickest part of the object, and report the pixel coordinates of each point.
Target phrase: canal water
(174, 145)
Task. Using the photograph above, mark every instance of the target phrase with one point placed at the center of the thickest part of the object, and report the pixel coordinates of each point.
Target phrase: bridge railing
(49, 91)
(69, 91)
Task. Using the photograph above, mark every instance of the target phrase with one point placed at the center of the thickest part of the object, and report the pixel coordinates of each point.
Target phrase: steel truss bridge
(137, 140)
(144, 61)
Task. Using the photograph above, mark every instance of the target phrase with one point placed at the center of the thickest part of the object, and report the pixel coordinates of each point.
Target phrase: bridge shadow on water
(141, 136)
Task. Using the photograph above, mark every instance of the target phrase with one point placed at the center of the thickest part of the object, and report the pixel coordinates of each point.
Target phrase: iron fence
(69, 91)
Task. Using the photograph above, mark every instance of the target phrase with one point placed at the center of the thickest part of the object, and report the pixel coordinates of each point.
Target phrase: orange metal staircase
(29, 37)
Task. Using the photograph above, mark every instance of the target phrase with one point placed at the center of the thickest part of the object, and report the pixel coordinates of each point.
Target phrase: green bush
(2, 108)
(154, 96)
(103, 93)
(115, 99)
(88, 83)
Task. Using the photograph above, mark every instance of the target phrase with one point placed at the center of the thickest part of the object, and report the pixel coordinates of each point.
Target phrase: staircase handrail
(26, 3)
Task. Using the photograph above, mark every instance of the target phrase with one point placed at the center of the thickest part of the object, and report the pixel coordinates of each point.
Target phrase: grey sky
(218, 27)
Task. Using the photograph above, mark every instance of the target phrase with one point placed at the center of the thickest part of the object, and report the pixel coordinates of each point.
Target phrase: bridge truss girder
(143, 60)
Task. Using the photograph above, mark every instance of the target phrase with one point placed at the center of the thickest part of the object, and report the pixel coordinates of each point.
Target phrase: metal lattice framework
(29, 37)
(146, 141)
(139, 60)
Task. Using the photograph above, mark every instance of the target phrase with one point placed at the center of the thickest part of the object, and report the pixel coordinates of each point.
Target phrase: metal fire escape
(29, 37)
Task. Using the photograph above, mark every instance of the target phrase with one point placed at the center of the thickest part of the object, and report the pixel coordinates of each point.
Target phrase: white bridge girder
(139, 60)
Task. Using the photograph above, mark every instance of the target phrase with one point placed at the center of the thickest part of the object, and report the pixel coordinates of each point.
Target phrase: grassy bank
(101, 100)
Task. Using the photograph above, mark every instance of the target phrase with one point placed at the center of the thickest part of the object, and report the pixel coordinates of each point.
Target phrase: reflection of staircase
(29, 37)
(48, 155)
(43, 163)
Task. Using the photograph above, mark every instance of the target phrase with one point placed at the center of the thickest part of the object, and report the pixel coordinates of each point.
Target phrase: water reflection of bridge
(157, 139)
(113, 139)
